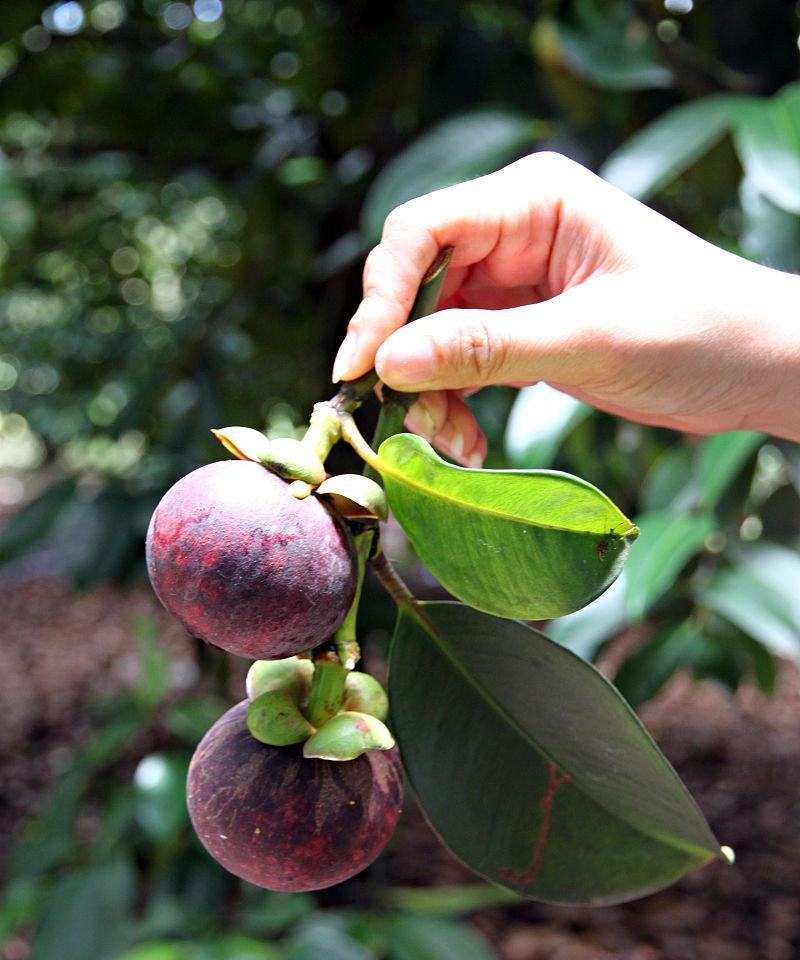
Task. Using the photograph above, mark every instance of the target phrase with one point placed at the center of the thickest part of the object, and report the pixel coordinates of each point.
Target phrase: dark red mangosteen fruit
(282, 822)
(247, 566)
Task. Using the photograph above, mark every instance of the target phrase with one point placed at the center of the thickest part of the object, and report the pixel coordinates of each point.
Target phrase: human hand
(558, 276)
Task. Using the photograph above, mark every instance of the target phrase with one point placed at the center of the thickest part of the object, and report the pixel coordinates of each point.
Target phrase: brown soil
(739, 756)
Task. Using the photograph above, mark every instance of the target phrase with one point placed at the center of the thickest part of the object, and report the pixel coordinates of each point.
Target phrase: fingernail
(456, 444)
(345, 356)
(420, 421)
(475, 460)
(407, 361)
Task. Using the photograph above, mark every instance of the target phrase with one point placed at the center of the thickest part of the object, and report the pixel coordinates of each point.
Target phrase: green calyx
(338, 714)
(290, 459)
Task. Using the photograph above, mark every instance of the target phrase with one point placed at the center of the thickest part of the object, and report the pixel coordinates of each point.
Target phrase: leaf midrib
(668, 840)
(402, 478)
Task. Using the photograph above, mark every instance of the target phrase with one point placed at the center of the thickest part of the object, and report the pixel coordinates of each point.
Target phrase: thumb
(454, 349)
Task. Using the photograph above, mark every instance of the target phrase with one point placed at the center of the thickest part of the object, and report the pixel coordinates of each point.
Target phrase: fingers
(564, 339)
(447, 422)
(506, 222)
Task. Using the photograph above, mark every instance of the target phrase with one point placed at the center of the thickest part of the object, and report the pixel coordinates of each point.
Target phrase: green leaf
(769, 234)
(34, 520)
(531, 767)
(668, 483)
(538, 423)
(160, 787)
(719, 460)
(601, 50)
(660, 152)
(460, 148)
(449, 900)
(532, 544)
(760, 596)
(767, 137)
(586, 630)
(646, 671)
(433, 938)
(87, 914)
(325, 936)
(668, 542)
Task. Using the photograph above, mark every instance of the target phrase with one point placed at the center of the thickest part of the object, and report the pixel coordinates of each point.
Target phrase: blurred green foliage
(187, 191)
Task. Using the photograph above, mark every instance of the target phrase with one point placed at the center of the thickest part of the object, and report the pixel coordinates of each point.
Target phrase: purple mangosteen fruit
(283, 822)
(248, 567)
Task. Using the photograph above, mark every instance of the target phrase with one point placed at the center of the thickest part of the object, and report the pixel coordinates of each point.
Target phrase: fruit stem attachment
(327, 688)
(355, 438)
(345, 639)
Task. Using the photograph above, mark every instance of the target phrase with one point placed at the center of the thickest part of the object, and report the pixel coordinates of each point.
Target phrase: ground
(740, 757)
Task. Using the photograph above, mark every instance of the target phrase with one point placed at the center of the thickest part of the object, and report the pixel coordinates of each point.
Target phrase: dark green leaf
(667, 544)
(456, 149)
(532, 544)
(87, 914)
(34, 520)
(611, 57)
(660, 152)
(531, 767)
(17, 214)
(767, 136)
(433, 938)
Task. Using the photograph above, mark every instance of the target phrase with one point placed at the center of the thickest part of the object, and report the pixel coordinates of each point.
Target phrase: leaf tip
(728, 855)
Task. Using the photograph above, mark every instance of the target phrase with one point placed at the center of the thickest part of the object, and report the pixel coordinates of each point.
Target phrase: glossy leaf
(457, 149)
(769, 234)
(532, 544)
(667, 544)
(767, 136)
(659, 153)
(761, 597)
(719, 459)
(539, 421)
(531, 767)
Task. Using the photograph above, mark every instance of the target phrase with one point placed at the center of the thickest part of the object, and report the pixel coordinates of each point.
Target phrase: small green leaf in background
(667, 544)
(761, 596)
(767, 138)
(597, 47)
(769, 234)
(538, 423)
(659, 153)
(412, 937)
(87, 914)
(460, 148)
(325, 935)
(530, 544)
(720, 459)
(531, 767)
(17, 214)
(449, 900)
(646, 671)
(668, 482)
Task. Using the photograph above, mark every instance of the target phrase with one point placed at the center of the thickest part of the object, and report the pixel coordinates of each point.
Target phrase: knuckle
(479, 350)
(400, 219)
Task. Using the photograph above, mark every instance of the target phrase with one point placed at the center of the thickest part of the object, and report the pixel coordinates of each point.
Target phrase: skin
(283, 822)
(558, 276)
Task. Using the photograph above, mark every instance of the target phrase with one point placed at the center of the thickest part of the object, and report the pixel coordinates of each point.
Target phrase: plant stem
(397, 589)
(327, 688)
(345, 639)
